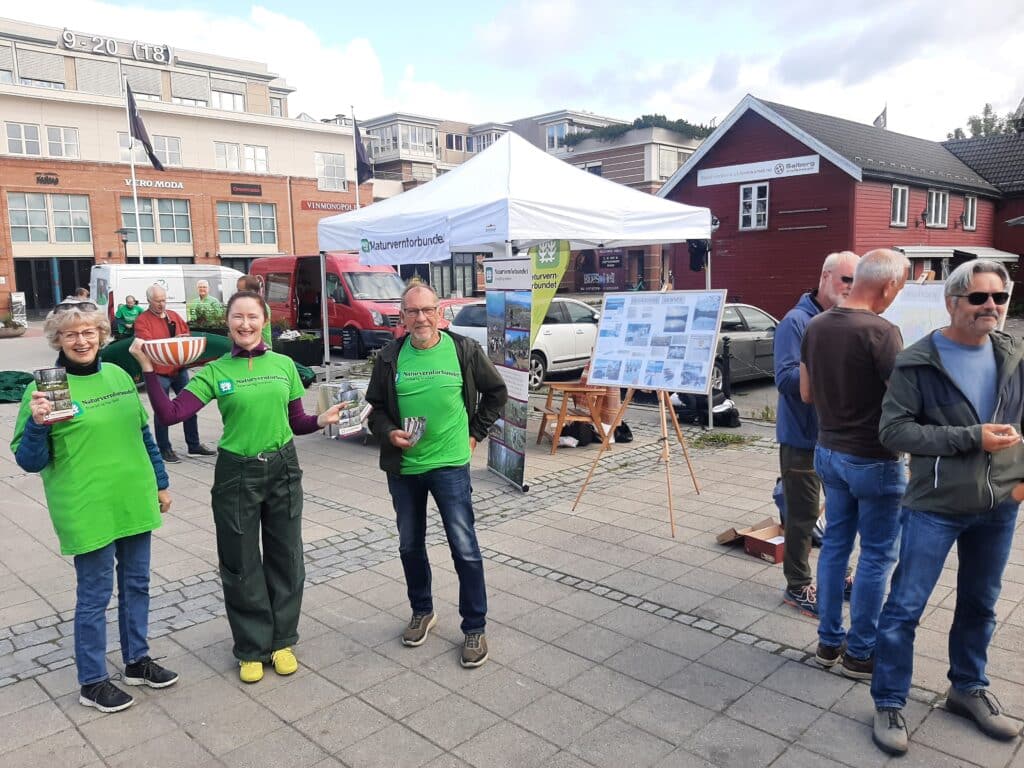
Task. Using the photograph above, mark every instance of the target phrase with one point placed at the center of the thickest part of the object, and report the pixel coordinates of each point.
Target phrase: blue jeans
(452, 492)
(176, 382)
(983, 548)
(862, 496)
(95, 572)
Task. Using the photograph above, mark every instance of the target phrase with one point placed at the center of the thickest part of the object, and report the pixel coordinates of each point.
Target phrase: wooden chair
(566, 412)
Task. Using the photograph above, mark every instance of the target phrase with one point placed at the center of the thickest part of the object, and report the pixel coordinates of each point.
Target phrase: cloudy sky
(932, 63)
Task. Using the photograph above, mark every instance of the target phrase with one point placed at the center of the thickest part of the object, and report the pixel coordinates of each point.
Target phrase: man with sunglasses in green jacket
(955, 403)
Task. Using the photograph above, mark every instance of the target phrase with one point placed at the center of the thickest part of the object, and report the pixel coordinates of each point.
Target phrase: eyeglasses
(90, 334)
(82, 306)
(977, 298)
(848, 279)
(425, 311)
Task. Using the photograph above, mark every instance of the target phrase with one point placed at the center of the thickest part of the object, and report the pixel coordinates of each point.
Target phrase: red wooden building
(790, 186)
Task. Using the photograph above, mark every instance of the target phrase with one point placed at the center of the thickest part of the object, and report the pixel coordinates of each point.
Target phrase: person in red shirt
(158, 322)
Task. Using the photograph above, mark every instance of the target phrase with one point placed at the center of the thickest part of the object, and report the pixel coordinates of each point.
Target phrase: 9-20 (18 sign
(109, 46)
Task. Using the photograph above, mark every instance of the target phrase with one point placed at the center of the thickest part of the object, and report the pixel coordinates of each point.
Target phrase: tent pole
(711, 390)
(323, 316)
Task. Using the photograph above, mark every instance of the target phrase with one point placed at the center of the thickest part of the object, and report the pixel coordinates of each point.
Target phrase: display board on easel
(662, 341)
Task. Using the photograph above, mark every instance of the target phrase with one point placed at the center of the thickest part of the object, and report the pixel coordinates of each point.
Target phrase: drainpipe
(291, 215)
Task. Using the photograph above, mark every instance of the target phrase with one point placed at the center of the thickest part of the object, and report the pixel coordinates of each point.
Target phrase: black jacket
(483, 392)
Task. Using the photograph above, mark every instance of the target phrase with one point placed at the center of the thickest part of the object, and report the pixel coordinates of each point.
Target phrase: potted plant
(9, 327)
(208, 319)
(306, 348)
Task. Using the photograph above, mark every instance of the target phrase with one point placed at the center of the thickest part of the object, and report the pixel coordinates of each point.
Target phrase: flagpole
(131, 160)
(357, 154)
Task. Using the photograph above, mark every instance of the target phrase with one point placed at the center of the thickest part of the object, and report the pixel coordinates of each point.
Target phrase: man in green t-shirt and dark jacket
(448, 380)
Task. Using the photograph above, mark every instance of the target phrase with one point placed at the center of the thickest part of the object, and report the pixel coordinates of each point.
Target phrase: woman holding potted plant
(257, 489)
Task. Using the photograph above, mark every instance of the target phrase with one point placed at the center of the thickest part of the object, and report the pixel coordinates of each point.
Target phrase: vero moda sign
(404, 247)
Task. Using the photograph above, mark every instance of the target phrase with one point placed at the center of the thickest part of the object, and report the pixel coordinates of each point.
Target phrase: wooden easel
(666, 411)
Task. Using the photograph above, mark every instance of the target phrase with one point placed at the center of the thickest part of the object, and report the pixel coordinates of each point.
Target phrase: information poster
(658, 340)
(509, 306)
(921, 308)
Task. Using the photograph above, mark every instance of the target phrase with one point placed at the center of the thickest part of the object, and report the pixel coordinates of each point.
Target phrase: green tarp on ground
(12, 385)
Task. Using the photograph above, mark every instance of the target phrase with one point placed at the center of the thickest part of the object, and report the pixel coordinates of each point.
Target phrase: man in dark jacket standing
(796, 429)
(955, 403)
(448, 380)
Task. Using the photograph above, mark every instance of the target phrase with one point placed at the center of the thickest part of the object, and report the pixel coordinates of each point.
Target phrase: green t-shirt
(253, 401)
(429, 383)
(207, 310)
(126, 315)
(99, 484)
(267, 338)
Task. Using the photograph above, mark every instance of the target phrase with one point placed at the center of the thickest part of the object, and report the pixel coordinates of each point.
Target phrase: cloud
(524, 30)
(724, 75)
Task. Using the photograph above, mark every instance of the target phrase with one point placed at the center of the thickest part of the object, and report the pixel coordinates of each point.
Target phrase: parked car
(565, 341)
(751, 333)
(447, 309)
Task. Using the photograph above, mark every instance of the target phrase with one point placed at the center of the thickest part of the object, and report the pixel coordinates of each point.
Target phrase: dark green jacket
(483, 392)
(925, 414)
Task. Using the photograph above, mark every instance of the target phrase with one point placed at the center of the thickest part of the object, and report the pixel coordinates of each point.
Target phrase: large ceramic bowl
(178, 352)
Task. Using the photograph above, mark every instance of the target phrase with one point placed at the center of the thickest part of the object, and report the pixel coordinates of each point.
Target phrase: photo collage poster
(658, 340)
(509, 300)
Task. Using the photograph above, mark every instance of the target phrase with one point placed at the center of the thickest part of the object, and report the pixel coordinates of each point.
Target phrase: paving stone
(505, 691)
(393, 747)
(35, 637)
(278, 748)
(506, 744)
(774, 713)
(176, 749)
(558, 718)
(615, 743)
(731, 744)
(666, 716)
(403, 694)
(451, 721)
(605, 689)
(646, 663)
(358, 720)
(66, 749)
(30, 725)
(706, 686)
(842, 740)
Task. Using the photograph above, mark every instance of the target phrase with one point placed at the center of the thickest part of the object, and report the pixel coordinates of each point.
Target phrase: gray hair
(58, 321)
(833, 260)
(203, 282)
(959, 279)
(881, 267)
(415, 285)
(152, 288)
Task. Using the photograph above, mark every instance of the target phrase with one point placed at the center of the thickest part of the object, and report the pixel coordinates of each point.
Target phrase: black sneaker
(857, 669)
(201, 450)
(104, 696)
(474, 650)
(804, 599)
(145, 671)
(828, 655)
(169, 456)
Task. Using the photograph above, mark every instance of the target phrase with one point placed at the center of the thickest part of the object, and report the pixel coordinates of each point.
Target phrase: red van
(363, 301)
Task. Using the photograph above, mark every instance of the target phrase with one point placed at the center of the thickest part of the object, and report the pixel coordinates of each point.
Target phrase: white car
(565, 342)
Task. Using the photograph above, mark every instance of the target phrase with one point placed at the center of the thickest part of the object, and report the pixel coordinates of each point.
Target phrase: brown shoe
(857, 669)
(474, 650)
(828, 655)
(419, 626)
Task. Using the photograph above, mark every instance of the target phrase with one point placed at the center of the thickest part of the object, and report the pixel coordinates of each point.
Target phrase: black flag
(364, 172)
(138, 130)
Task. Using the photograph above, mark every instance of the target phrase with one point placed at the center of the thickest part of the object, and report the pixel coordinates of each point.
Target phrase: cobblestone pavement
(612, 643)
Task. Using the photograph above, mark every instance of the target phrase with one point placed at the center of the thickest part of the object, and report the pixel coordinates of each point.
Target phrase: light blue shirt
(973, 369)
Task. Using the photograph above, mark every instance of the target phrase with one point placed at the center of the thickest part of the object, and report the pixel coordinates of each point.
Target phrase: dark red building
(790, 186)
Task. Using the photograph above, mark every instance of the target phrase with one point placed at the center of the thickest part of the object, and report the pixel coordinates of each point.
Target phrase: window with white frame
(37, 218)
(938, 208)
(61, 142)
(6, 76)
(556, 136)
(29, 220)
(754, 206)
(161, 220)
(167, 149)
(469, 144)
(386, 139)
(254, 158)
(276, 107)
(898, 206)
(188, 102)
(418, 139)
(669, 160)
(147, 96)
(23, 139)
(225, 155)
(330, 171)
(233, 102)
(454, 141)
(247, 222)
(124, 156)
(970, 220)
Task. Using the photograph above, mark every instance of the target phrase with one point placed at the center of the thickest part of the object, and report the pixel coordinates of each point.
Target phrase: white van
(110, 283)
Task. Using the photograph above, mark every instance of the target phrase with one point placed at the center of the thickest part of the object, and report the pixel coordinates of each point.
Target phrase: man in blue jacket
(796, 429)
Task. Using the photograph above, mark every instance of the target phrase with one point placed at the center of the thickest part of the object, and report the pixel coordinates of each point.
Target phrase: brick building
(242, 179)
(790, 186)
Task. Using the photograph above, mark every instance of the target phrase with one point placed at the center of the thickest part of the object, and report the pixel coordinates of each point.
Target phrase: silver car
(751, 334)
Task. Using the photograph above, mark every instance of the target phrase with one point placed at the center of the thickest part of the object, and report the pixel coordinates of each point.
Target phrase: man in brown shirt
(846, 357)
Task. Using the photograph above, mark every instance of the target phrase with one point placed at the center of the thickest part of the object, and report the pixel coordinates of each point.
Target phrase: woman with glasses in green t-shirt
(106, 488)
(257, 487)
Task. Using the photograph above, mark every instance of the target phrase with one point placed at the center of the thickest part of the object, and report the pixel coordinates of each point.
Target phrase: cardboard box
(763, 539)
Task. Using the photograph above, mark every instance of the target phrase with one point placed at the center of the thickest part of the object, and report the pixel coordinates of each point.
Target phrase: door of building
(74, 274)
(35, 278)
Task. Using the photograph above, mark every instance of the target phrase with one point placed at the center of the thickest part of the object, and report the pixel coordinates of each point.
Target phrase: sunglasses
(82, 306)
(977, 298)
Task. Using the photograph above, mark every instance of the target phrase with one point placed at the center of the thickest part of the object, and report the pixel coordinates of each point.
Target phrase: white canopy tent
(510, 195)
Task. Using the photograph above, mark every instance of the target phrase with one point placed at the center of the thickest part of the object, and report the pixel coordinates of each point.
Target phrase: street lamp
(123, 234)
